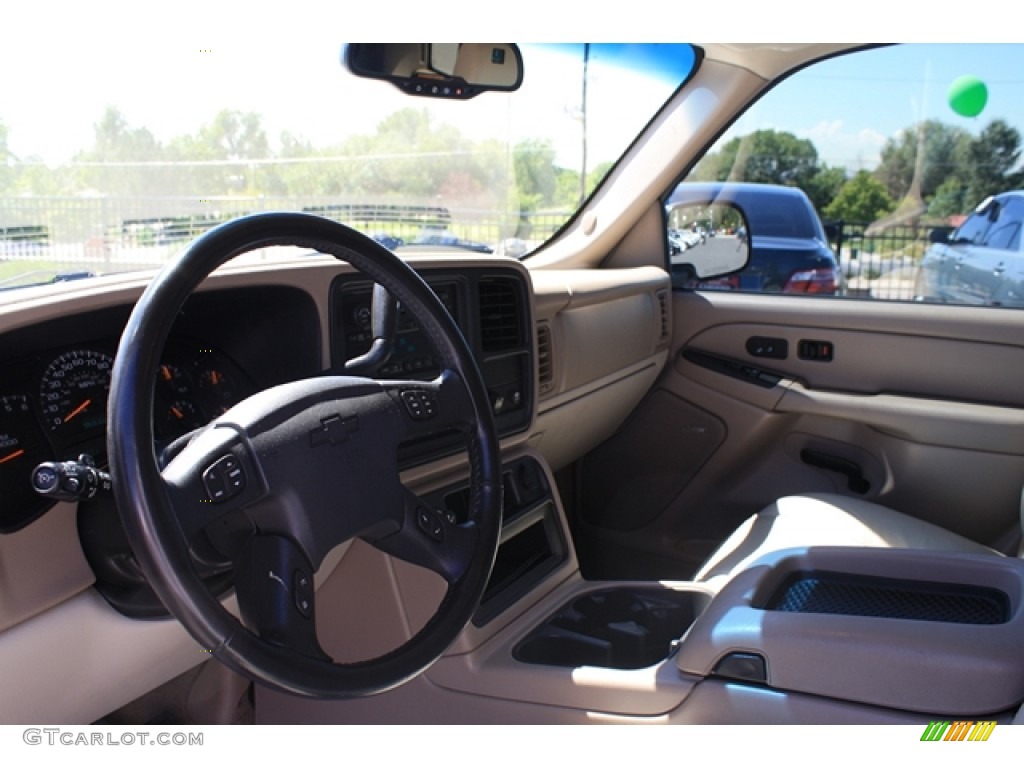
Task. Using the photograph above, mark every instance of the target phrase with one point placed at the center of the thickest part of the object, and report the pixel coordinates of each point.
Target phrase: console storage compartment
(929, 632)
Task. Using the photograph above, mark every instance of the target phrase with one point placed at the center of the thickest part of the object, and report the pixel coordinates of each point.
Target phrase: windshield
(119, 145)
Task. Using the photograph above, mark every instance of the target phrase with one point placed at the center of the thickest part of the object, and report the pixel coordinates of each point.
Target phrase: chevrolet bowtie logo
(334, 430)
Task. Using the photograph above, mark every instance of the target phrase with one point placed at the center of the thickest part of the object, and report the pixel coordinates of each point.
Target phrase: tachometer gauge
(73, 394)
(22, 447)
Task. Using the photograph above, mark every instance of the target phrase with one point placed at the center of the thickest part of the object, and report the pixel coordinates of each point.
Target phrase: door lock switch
(817, 351)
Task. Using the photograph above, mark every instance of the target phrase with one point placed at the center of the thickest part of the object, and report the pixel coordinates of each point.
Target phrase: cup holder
(619, 628)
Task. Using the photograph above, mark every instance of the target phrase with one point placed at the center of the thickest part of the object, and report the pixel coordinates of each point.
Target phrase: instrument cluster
(53, 407)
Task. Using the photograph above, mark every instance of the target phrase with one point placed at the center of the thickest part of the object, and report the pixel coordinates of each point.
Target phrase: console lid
(930, 632)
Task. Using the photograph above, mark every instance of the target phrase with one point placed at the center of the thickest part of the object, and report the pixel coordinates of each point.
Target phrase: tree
(236, 136)
(596, 176)
(211, 162)
(535, 177)
(862, 199)
(116, 140)
(766, 156)
(949, 199)
(411, 155)
(115, 163)
(33, 177)
(567, 188)
(907, 170)
(992, 156)
(7, 160)
(825, 185)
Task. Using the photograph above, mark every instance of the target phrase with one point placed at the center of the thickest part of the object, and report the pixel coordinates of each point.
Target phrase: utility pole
(583, 122)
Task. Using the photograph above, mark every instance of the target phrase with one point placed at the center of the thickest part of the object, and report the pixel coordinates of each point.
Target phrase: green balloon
(967, 96)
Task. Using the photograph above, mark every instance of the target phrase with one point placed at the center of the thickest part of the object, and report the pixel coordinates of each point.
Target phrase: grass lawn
(32, 271)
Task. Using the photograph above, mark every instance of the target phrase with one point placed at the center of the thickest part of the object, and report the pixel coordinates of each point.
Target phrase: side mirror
(708, 239)
(939, 235)
(438, 70)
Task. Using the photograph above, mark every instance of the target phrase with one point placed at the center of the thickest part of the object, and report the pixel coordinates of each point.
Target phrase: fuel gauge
(22, 447)
(173, 382)
(217, 387)
(177, 418)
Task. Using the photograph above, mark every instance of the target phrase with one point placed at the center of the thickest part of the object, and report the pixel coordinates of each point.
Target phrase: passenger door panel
(920, 408)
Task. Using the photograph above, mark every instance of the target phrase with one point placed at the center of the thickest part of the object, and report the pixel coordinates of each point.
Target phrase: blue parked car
(789, 250)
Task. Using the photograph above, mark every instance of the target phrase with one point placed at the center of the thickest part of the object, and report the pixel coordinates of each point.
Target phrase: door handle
(855, 479)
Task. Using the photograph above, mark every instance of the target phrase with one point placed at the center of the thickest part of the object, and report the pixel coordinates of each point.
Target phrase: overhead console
(492, 309)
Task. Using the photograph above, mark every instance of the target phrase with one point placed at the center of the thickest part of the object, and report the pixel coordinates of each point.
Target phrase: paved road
(716, 254)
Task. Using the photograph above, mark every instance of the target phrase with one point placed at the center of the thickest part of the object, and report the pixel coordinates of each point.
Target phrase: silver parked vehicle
(980, 262)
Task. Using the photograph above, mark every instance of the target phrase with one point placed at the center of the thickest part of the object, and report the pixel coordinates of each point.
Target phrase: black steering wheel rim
(145, 505)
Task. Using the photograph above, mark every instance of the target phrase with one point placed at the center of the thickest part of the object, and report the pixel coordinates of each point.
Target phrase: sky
(850, 105)
(173, 82)
(70, 60)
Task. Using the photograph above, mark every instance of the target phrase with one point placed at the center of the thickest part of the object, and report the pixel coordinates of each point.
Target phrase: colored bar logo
(961, 730)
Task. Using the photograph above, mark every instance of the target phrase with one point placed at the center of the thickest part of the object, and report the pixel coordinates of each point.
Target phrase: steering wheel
(286, 475)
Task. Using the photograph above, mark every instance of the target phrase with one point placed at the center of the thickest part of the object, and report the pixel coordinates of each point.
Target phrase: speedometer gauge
(73, 394)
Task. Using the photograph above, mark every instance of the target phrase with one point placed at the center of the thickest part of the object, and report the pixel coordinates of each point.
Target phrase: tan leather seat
(825, 519)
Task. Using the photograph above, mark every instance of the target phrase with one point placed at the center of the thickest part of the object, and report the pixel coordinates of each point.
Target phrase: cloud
(837, 145)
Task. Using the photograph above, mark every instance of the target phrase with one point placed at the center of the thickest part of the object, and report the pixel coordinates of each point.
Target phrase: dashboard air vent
(545, 365)
(499, 316)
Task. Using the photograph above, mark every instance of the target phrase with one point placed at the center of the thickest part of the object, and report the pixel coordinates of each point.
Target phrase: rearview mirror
(439, 70)
(707, 240)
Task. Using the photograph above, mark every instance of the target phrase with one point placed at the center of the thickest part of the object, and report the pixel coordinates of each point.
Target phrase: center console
(840, 635)
(928, 632)
(532, 545)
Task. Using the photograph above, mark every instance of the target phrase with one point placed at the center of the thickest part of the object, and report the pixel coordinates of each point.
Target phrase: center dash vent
(545, 365)
(500, 326)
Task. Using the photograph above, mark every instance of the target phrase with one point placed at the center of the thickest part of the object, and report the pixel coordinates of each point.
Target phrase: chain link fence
(46, 237)
(879, 261)
(42, 238)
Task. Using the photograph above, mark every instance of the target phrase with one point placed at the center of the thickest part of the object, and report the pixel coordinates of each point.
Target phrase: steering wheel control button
(430, 523)
(302, 588)
(224, 479)
(420, 404)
